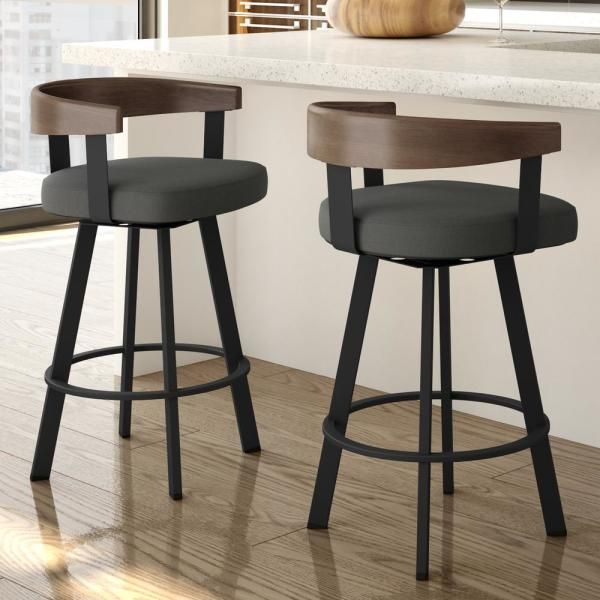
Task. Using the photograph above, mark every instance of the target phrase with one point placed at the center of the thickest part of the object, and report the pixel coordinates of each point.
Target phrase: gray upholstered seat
(447, 220)
(160, 190)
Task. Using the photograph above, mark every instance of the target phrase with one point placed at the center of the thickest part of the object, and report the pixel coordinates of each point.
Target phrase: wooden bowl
(395, 18)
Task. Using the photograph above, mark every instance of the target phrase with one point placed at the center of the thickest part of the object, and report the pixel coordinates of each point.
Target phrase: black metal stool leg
(342, 392)
(446, 376)
(169, 362)
(424, 486)
(541, 453)
(63, 352)
(129, 314)
(240, 391)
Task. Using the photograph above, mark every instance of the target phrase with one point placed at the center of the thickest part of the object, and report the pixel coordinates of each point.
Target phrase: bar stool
(434, 225)
(158, 193)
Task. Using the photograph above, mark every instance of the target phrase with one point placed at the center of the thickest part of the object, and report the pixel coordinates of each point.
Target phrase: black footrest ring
(242, 369)
(334, 436)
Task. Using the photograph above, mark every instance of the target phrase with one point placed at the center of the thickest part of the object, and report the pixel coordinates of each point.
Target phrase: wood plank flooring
(105, 527)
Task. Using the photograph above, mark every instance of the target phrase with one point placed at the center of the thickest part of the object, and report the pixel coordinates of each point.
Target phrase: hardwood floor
(105, 527)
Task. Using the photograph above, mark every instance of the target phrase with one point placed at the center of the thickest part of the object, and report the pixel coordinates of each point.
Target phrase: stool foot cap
(558, 533)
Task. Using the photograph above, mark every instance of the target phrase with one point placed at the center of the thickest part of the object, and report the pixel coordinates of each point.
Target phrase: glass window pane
(552, 15)
(31, 35)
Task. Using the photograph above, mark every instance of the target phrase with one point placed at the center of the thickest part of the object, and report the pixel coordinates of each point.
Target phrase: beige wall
(292, 290)
(176, 135)
(197, 17)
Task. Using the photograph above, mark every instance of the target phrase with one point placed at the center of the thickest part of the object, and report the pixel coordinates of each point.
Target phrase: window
(39, 17)
(31, 35)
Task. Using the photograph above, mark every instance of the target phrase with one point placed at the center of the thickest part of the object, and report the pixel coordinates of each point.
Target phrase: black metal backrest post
(529, 205)
(97, 175)
(60, 154)
(373, 177)
(341, 211)
(214, 134)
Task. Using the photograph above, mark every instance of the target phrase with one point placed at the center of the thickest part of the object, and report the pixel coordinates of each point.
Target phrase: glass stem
(500, 8)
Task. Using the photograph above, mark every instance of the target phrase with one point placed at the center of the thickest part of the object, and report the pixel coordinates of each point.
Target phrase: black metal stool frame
(57, 375)
(343, 237)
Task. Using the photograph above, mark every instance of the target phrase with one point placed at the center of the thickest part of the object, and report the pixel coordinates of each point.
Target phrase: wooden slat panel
(258, 24)
(276, 7)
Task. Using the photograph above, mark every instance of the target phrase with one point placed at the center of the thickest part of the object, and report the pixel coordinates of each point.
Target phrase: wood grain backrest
(97, 106)
(367, 135)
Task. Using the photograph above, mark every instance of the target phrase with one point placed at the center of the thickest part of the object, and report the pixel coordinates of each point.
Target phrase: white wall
(179, 135)
(292, 289)
(197, 17)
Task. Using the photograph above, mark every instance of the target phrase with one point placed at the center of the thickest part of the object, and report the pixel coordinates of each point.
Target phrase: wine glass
(501, 39)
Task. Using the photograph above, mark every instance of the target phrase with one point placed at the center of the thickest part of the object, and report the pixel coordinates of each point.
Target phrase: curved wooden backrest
(97, 106)
(370, 135)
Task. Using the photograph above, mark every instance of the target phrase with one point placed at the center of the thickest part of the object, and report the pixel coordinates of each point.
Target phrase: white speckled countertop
(458, 65)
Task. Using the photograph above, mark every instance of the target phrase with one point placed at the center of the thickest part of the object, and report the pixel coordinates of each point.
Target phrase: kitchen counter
(459, 65)
(291, 289)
